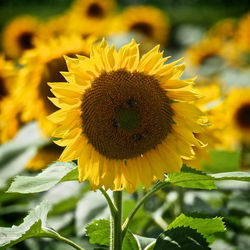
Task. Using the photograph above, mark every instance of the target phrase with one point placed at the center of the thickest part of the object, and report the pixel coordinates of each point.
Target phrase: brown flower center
(142, 27)
(3, 90)
(95, 11)
(125, 114)
(242, 116)
(25, 40)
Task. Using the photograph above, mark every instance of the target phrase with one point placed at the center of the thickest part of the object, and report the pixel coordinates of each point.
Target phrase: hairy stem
(116, 225)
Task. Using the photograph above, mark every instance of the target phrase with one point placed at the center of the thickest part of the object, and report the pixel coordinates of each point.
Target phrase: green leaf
(130, 242)
(99, 232)
(191, 178)
(144, 241)
(207, 227)
(55, 173)
(34, 225)
(237, 176)
(15, 154)
(181, 238)
(223, 161)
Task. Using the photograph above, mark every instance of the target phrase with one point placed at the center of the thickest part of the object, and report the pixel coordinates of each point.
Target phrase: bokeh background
(214, 39)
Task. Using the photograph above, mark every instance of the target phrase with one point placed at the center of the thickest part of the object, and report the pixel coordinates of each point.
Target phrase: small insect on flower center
(242, 116)
(3, 90)
(95, 11)
(142, 27)
(25, 40)
(125, 114)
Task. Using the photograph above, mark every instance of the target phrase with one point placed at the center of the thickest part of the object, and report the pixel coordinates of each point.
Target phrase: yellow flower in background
(45, 156)
(92, 9)
(54, 27)
(9, 105)
(42, 65)
(211, 134)
(243, 33)
(126, 119)
(236, 113)
(7, 77)
(10, 118)
(199, 52)
(146, 20)
(19, 35)
(224, 29)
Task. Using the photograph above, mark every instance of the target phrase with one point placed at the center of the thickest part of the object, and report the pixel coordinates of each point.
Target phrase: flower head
(19, 35)
(126, 119)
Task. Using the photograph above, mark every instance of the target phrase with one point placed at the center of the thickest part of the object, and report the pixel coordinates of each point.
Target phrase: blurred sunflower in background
(19, 35)
(148, 21)
(42, 65)
(44, 157)
(211, 134)
(127, 120)
(9, 104)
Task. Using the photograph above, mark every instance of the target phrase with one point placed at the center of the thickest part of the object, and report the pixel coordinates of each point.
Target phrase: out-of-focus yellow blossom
(149, 21)
(44, 156)
(19, 35)
(45, 64)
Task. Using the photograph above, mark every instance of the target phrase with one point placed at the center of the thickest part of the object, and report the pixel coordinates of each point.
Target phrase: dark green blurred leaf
(223, 161)
(130, 242)
(207, 227)
(55, 173)
(140, 219)
(181, 238)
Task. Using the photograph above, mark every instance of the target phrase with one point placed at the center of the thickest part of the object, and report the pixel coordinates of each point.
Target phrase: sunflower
(10, 122)
(146, 20)
(9, 107)
(92, 9)
(236, 115)
(44, 156)
(126, 119)
(19, 35)
(224, 30)
(211, 134)
(201, 51)
(243, 34)
(54, 27)
(41, 65)
(7, 77)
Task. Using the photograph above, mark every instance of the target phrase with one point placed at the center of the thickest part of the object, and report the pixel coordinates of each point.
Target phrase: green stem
(61, 238)
(113, 209)
(138, 205)
(116, 225)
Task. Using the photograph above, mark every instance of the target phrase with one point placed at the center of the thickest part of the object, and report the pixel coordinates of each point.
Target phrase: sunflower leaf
(33, 226)
(236, 176)
(205, 226)
(181, 238)
(191, 178)
(55, 173)
(99, 233)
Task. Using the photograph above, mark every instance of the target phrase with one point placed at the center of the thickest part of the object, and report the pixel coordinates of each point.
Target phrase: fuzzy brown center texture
(125, 114)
